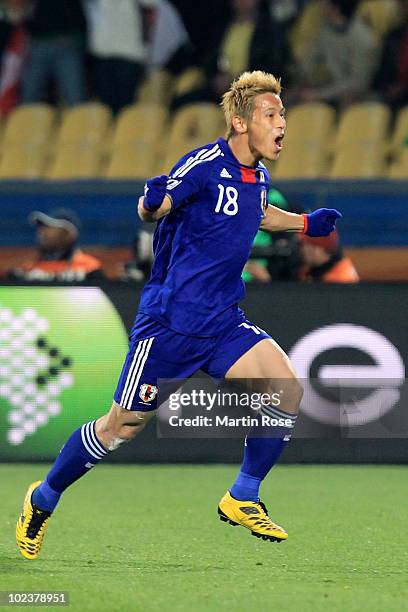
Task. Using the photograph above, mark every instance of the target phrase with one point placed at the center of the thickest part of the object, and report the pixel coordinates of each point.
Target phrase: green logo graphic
(61, 351)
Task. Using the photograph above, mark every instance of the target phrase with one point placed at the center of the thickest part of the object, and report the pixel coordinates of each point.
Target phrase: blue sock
(81, 452)
(264, 445)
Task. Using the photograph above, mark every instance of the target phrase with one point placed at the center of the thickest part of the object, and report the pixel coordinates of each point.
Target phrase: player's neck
(240, 149)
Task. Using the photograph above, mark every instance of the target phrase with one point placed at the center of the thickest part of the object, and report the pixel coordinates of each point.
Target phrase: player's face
(267, 127)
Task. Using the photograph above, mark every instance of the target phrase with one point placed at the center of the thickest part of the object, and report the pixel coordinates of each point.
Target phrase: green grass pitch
(148, 538)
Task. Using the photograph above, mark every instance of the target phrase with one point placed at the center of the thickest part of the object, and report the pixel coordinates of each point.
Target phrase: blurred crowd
(70, 51)
(282, 256)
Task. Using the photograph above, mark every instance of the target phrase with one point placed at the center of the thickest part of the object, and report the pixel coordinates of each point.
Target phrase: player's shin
(82, 451)
(264, 445)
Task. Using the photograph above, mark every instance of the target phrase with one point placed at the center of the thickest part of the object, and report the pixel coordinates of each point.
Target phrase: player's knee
(296, 390)
(291, 396)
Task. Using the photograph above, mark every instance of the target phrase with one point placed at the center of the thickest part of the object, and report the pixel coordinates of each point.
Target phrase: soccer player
(207, 211)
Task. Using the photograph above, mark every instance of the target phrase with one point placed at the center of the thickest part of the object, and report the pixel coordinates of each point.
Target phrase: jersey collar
(248, 173)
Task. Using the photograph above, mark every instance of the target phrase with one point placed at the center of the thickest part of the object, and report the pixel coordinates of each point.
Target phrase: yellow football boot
(252, 515)
(31, 526)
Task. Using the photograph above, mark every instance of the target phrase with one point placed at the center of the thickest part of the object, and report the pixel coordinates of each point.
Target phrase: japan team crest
(147, 393)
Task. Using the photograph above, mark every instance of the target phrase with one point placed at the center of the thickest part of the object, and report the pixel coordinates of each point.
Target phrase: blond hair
(239, 99)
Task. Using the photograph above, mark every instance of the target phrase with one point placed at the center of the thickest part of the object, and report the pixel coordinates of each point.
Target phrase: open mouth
(278, 142)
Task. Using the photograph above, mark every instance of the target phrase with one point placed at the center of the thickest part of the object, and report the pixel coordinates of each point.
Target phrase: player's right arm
(155, 203)
(186, 179)
(153, 216)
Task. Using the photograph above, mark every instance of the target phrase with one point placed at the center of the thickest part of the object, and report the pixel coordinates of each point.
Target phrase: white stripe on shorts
(135, 372)
(135, 384)
(130, 373)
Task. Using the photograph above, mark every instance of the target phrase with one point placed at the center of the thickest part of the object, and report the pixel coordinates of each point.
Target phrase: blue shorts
(157, 352)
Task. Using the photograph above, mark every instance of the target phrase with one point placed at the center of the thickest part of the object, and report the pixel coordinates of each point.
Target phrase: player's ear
(239, 124)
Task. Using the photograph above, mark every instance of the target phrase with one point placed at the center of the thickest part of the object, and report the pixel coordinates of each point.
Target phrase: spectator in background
(169, 46)
(56, 52)
(253, 37)
(13, 48)
(341, 63)
(204, 21)
(139, 267)
(59, 258)
(392, 77)
(118, 48)
(252, 40)
(277, 257)
(256, 270)
(9, 16)
(323, 260)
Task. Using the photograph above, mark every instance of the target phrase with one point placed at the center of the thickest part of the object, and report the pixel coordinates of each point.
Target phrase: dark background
(289, 311)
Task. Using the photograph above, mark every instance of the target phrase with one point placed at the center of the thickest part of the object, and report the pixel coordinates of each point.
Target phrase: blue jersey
(202, 245)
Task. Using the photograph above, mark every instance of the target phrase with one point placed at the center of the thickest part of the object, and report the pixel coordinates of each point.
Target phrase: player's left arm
(320, 222)
(277, 220)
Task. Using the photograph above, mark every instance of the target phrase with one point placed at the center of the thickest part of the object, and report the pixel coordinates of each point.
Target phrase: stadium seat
(75, 161)
(307, 142)
(23, 161)
(85, 124)
(399, 169)
(139, 123)
(30, 124)
(135, 161)
(305, 28)
(365, 123)
(136, 142)
(310, 123)
(157, 88)
(302, 163)
(380, 15)
(400, 135)
(193, 126)
(357, 161)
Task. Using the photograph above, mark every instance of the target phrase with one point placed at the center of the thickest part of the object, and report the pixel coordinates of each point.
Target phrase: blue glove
(155, 190)
(321, 222)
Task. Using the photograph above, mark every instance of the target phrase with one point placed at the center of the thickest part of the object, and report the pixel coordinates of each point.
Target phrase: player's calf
(85, 448)
(119, 426)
